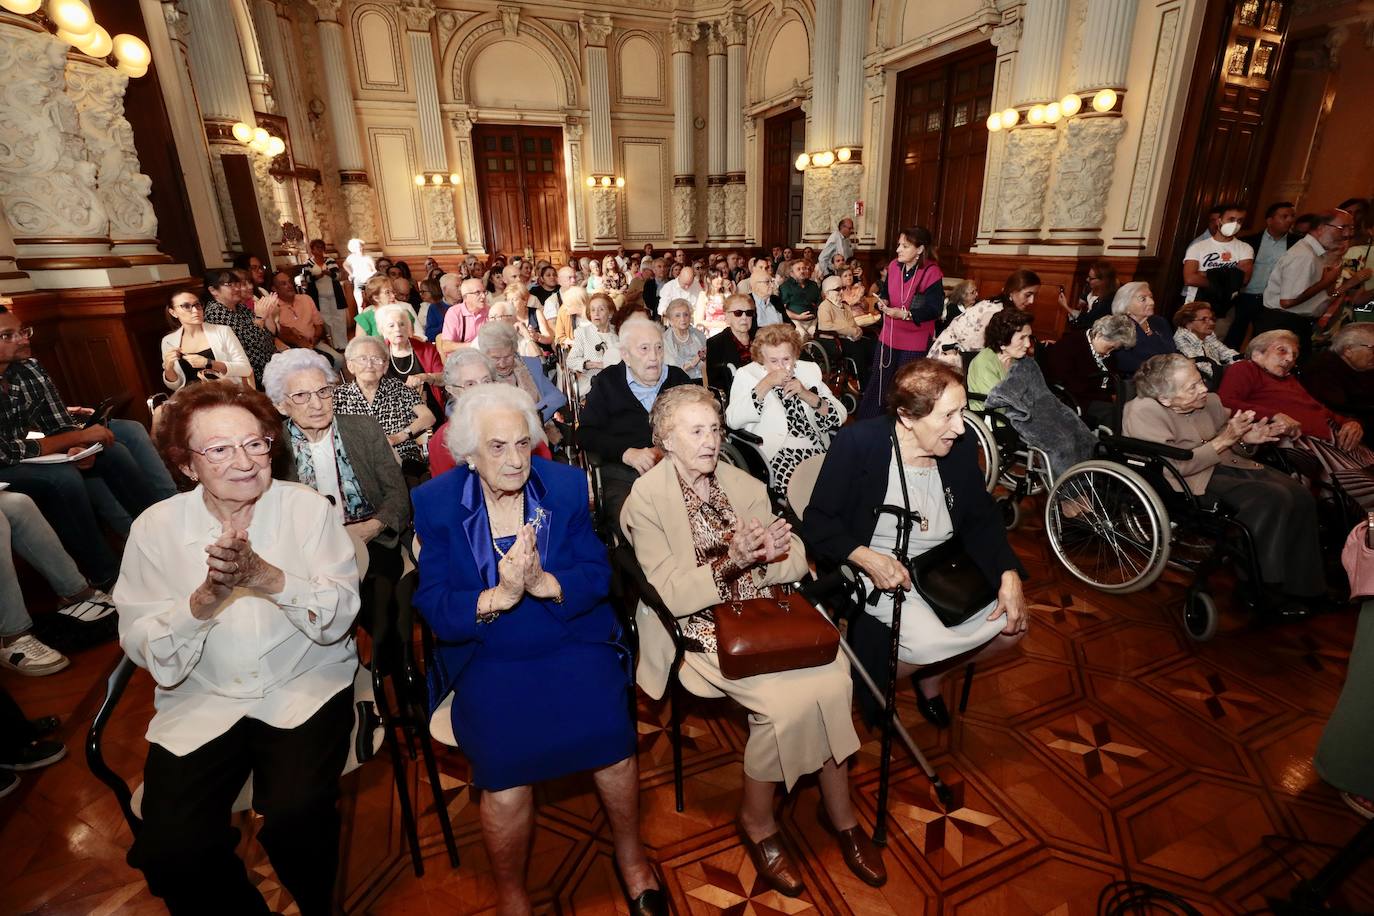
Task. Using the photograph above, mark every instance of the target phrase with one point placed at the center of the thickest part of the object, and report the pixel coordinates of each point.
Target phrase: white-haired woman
(539, 330)
(347, 460)
(595, 343)
(1153, 333)
(684, 345)
(399, 410)
(505, 312)
(1172, 406)
(1082, 363)
(516, 587)
(413, 360)
(704, 533)
(500, 343)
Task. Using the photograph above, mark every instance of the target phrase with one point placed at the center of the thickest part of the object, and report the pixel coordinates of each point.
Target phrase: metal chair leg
(398, 771)
(440, 808)
(968, 686)
(675, 718)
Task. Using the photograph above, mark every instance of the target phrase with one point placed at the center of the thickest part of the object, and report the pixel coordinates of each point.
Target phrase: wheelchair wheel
(989, 458)
(812, 351)
(1011, 512)
(745, 457)
(850, 402)
(1108, 527)
(1199, 616)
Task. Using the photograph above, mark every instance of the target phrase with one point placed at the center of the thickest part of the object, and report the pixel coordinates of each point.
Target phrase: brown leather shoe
(862, 857)
(773, 863)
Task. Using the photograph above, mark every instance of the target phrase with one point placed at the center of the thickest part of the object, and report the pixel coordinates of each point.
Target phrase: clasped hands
(232, 563)
(520, 572)
(751, 543)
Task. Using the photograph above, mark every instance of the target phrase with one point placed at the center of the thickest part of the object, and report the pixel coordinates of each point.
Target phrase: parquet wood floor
(1110, 747)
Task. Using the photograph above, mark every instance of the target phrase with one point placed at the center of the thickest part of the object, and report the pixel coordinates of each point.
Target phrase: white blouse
(275, 658)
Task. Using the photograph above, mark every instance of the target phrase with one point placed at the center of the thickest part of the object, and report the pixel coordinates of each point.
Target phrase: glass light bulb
(591, 181)
(995, 122)
(1105, 100)
(21, 7)
(131, 71)
(99, 43)
(73, 39)
(620, 181)
(453, 178)
(605, 181)
(275, 147)
(437, 180)
(420, 181)
(1053, 113)
(260, 135)
(1071, 104)
(131, 50)
(1036, 115)
(844, 154)
(71, 16)
(802, 162)
(1010, 117)
(242, 132)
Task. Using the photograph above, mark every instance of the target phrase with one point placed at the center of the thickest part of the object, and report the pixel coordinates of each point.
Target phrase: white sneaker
(89, 610)
(29, 656)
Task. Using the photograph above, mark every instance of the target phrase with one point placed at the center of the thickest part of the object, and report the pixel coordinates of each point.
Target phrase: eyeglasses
(18, 334)
(740, 313)
(303, 397)
(1341, 226)
(367, 360)
(255, 447)
(196, 306)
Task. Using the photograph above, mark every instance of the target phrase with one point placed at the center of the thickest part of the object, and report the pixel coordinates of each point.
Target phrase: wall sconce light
(1010, 117)
(419, 181)
(453, 178)
(21, 7)
(620, 181)
(994, 122)
(1105, 100)
(1053, 112)
(72, 17)
(803, 161)
(1036, 115)
(258, 139)
(1071, 104)
(844, 154)
(73, 23)
(591, 181)
(436, 179)
(605, 181)
(824, 159)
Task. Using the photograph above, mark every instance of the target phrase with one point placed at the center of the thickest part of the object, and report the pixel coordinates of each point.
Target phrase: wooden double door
(940, 143)
(784, 138)
(523, 190)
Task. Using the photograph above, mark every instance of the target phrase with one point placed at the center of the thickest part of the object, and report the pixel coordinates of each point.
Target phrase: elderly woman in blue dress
(515, 585)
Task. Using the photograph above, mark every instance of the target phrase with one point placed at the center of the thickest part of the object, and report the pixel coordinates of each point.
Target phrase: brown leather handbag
(766, 635)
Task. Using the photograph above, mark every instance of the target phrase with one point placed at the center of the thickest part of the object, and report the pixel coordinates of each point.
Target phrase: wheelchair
(840, 372)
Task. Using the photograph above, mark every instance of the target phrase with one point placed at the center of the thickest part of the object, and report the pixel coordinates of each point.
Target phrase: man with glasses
(1307, 279)
(68, 492)
(464, 320)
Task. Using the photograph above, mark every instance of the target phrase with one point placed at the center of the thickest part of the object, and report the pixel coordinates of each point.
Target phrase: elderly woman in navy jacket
(944, 487)
(515, 584)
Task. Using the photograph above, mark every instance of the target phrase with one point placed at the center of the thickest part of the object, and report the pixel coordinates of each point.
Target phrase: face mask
(1230, 229)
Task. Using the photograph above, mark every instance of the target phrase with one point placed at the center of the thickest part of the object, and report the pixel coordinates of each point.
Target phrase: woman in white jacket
(196, 351)
(595, 343)
(784, 402)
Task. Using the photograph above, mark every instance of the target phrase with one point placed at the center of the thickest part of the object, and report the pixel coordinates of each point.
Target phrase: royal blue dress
(542, 691)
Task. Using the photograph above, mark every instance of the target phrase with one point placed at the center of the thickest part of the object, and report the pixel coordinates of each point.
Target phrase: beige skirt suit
(797, 719)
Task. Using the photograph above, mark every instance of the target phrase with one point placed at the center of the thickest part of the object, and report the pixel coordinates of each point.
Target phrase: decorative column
(1006, 38)
(472, 214)
(1029, 150)
(47, 181)
(715, 135)
(360, 201)
(684, 35)
(440, 216)
(254, 68)
(847, 174)
(97, 90)
(732, 29)
(1086, 156)
(596, 28)
(820, 127)
(577, 202)
(221, 86)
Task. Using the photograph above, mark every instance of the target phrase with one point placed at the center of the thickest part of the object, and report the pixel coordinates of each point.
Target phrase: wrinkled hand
(415, 382)
(792, 388)
(1287, 425)
(1262, 433)
(1349, 435)
(748, 543)
(1011, 602)
(641, 459)
(777, 540)
(885, 571)
(398, 438)
(511, 571)
(268, 306)
(1240, 423)
(365, 530)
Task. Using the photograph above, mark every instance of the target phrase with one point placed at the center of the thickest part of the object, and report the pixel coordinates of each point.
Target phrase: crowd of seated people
(307, 402)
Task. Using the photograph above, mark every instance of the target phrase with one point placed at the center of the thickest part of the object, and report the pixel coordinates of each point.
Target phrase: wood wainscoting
(101, 343)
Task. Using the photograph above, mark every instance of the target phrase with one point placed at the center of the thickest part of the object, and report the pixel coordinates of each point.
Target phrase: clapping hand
(777, 540)
(268, 306)
(231, 563)
(512, 571)
(415, 382)
(748, 543)
(1263, 433)
(1349, 435)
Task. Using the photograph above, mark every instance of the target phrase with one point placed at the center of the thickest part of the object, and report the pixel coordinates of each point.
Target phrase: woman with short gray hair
(500, 342)
(399, 410)
(1173, 407)
(516, 586)
(1082, 364)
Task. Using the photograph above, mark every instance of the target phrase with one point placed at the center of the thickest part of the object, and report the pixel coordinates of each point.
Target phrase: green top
(799, 298)
(367, 322)
(984, 373)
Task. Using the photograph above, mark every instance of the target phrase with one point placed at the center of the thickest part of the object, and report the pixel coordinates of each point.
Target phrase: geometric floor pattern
(1109, 747)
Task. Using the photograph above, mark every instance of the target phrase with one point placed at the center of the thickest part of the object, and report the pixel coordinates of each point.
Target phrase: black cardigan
(613, 420)
(840, 517)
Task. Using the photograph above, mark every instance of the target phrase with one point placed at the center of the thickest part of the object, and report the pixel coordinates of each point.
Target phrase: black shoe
(932, 708)
(650, 902)
(35, 755)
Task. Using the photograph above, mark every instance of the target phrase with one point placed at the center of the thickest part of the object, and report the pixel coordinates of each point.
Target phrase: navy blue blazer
(551, 397)
(450, 515)
(853, 482)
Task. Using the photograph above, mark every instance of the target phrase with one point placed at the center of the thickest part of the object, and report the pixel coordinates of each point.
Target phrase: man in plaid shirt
(29, 401)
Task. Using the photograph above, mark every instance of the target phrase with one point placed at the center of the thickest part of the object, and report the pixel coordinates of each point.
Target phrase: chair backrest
(803, 484)
(115, 685)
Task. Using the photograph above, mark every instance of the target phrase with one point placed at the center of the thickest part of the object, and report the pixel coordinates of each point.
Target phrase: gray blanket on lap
(1040, 418)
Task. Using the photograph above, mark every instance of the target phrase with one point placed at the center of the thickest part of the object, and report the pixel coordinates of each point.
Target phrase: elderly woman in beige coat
(704, 533)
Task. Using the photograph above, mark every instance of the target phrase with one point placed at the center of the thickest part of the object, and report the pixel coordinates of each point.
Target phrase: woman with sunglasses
(197, 351)
(238, 596)
(729, 349)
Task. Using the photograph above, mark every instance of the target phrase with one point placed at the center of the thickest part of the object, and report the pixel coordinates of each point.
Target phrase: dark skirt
(886, 362)
(1345, 756)
(1281, 516)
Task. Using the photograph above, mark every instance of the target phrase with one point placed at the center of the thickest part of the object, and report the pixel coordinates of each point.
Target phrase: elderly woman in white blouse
(595, 344)
(683, 345)
(238, 597)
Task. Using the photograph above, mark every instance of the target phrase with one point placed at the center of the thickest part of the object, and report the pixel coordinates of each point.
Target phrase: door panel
(521, 184)
(782, 183)
(939, 150)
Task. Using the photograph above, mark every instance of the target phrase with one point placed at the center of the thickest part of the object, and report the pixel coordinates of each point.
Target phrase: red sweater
(1246, 386)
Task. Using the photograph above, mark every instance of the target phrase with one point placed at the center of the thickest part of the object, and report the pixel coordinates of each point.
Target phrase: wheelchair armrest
(745, 435)
(1144, 447)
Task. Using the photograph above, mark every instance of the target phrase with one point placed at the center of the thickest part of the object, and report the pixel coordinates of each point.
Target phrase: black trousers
(185, 848)
(16, 732)
(1248, 308)
(377, 604)
(1275, 319)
